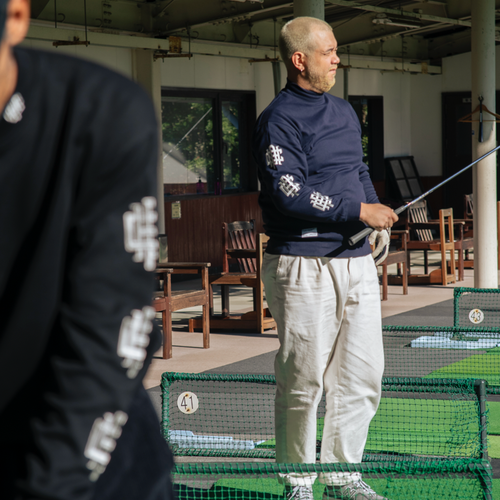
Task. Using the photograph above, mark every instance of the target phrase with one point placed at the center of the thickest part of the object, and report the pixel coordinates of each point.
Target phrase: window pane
(231, 152)
(188, 145)
(404, 190)
(361, 108)
(396, 168)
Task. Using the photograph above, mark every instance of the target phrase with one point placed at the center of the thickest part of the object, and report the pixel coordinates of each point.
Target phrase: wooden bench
(169, 301)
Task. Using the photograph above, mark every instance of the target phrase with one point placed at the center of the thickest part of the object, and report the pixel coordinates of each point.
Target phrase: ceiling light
(252, 1)
(396, 21)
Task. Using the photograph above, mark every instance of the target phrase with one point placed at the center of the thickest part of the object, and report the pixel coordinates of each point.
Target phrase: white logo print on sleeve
(15, 108)
(289, 187)
(274, 157)
(320, 201)
(140, 232)
(102, 441)
(134, 338)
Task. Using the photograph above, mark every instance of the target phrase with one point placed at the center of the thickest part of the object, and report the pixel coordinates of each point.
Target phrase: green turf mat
(478, 366)
(393, 488)
(398, 427)
(395, 428)
(496, 489)
(494, 446)
(493, 417)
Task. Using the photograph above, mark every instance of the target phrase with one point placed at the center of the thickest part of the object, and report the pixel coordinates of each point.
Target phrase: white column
(147, 73)
(310, 8)
(484, 173)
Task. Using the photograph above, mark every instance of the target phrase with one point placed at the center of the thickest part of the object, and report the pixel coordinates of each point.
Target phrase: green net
(233, 416)
(430, 480)
(443, 352)
(478, 307)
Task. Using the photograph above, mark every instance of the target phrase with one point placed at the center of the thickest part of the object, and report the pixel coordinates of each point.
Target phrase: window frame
(248, 100)
(376, 137)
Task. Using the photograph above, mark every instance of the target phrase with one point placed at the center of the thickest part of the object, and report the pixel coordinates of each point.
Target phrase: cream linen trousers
(328, 315)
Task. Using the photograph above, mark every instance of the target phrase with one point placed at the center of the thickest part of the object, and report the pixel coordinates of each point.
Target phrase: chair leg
(461, 273)
(385, 283)
(405, 279)
(224, 295)
(206, 326)
(426, 262)
(211, 293)
(166, 317)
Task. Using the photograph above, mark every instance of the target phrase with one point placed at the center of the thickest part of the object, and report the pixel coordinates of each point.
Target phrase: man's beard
(319, 82)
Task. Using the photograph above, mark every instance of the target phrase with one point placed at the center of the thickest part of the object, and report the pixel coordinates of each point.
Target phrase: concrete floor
(231, 347)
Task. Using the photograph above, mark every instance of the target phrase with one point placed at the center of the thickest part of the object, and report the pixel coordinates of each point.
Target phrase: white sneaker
(358, 490)
(299, 493)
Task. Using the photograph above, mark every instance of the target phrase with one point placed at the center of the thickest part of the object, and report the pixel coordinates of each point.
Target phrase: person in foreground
(324, 295)
(78, 150)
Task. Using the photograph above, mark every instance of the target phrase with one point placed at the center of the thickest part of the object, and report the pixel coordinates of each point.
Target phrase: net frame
(436, 359)
(469, 392)
(473, 296)
(200, 480)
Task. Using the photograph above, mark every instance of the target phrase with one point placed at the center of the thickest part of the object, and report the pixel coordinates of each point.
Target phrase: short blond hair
(295, 36)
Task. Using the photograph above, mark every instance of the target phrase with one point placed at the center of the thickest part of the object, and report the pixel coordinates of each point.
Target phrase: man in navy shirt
(78, 160)
(315, 193)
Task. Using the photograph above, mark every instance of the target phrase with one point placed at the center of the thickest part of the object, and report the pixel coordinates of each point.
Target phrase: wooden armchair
(426, 242)
(257, 320)
(238, 247)
(169, 301)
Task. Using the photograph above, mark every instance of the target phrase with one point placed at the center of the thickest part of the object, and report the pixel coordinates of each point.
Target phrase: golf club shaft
(368, 230)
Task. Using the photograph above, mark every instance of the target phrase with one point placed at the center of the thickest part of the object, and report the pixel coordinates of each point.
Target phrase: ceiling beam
(245, 12)
(414, 15)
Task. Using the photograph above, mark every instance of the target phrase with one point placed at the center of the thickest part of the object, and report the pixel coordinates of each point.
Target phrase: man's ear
(18, 21)
(298, 60)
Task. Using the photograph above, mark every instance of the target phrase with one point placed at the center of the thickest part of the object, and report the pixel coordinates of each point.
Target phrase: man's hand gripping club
(381, 218)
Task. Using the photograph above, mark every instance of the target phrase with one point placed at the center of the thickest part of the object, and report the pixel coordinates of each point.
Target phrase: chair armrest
(164, 270)
(185, 267)
(401, 234)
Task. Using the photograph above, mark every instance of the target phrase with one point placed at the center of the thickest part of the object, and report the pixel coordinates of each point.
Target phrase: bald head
(297, 35)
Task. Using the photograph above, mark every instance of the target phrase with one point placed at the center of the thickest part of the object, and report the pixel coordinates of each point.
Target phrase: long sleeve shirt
(78, 154)
(309, 155)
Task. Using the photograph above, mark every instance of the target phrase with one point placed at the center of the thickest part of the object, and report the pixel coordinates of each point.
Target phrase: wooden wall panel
(197, 235)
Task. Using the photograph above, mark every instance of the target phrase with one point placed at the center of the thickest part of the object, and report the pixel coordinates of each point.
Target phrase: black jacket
(84, 151)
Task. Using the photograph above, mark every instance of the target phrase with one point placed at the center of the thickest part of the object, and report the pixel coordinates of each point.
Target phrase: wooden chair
(169, 301)
(397, 256)
(257, 320)
(446, 242)
(237, 239)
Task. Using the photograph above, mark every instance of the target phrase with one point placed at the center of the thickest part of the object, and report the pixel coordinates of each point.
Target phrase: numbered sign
(476, 316)
(187, 402)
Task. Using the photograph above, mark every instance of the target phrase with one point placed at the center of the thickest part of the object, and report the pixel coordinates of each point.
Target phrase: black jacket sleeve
(99, 351)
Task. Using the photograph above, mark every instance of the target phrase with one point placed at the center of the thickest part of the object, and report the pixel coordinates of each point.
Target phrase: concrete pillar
(310, 8)
(146, 72)
(484, 173)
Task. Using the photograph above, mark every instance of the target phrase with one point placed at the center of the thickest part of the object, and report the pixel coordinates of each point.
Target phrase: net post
(456, 295)
(480, 390)
(485, 472)
(166, 381)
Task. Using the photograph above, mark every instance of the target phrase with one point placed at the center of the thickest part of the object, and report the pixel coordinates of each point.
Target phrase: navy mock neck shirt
(308, 150)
